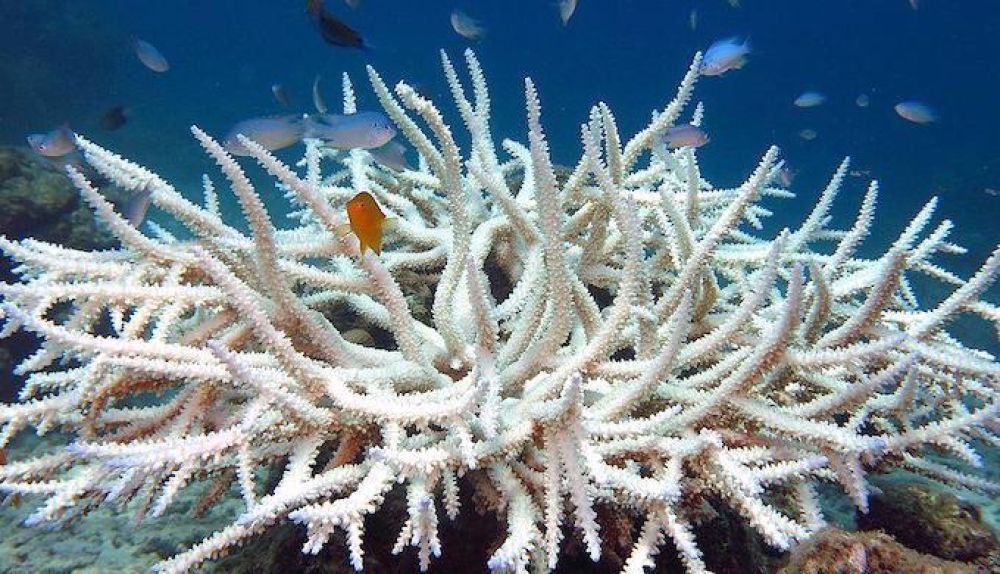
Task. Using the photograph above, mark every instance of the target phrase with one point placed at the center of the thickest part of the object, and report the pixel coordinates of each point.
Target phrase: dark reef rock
(32, 193)
(728, 544)
(37, 200)
(835, 551)
(466, 544)
(932, 521)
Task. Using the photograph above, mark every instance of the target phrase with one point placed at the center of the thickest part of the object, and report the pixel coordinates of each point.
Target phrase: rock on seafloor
(37, 200)
(107, 539)
(835, 551)
(930, 520)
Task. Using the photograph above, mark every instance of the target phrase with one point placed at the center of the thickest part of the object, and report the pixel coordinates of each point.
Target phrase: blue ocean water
(68, 62)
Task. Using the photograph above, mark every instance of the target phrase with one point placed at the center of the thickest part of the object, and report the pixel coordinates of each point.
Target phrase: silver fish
(280, 94)
(318, 102)
(786, 176)
(809, 100)
(466, 26)
(916, 112)
(392, 155)
(54, 143)
(365, 130)
(566, 9)
(137, 206)
(724, 55)
(149, 56)
(685, 136)
(272, 133)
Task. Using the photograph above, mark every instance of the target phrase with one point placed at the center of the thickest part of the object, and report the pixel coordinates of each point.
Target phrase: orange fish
(367, 221)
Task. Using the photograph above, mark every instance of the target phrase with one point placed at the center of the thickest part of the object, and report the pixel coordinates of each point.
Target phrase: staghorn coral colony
(620, 338)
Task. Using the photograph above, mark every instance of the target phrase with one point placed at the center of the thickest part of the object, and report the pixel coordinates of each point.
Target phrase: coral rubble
(624, 340)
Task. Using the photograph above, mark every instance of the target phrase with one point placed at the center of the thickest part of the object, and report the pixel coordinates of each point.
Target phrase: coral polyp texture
(622, 338)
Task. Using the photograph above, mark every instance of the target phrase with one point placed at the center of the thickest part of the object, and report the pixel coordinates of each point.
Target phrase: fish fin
(740, 63)
(390, 223)
(318, 102)
(137, 206)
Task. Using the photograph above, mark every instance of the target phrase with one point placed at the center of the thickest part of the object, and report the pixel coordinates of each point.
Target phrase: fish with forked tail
(53, 143)
(365, 130)
(114, 118)
(272, 133)
(724, 55)
(333, 31)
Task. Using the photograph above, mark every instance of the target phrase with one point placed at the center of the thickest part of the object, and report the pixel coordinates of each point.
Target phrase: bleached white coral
(617, 337)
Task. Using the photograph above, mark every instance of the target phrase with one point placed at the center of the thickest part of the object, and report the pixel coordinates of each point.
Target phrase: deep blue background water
(70, 61)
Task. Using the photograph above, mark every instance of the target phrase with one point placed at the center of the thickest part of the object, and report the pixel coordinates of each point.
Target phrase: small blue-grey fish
(724, 55)
(392, 155)
(149, 56)
(273, 133)
(318, 101)
(333, 31)
(280, 94)
(137, 206)
(916, 112)
(54, 143)
(809, 99)
(566, 9)
(364, 130)
(466, 26)
(786, 176)
(114, 118)
(685, 136)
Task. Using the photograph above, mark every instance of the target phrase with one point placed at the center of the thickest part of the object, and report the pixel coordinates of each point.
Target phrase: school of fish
(374, 131)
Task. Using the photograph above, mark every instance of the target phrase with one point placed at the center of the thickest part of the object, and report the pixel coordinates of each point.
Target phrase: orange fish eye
(363, 204)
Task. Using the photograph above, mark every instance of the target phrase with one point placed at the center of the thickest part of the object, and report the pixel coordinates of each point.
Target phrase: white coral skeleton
(619, 338)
